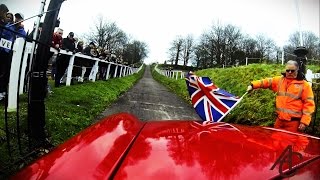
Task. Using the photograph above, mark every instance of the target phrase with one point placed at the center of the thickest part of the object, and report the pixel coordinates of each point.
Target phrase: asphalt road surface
(149, 100)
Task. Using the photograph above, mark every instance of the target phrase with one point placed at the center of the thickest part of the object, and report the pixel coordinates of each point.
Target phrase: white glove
(249, 88)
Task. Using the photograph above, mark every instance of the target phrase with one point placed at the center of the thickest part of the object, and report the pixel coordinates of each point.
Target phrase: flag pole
(233, 106)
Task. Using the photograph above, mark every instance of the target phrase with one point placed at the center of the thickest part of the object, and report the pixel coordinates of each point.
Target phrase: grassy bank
(68, 110)
(257, 108)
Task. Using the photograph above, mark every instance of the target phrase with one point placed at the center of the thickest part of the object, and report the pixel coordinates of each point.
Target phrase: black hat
(92, 43)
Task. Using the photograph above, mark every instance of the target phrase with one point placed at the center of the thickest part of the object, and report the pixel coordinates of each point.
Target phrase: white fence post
(94, 71)
(14, 74)
(83, 72)
(120, 74)
(69, 70)
(125, 71)
(27, 51)
(128, 72)
(115, 71)
(108, 70)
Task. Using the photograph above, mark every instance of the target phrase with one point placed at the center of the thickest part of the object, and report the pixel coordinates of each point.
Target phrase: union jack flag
(210, 102)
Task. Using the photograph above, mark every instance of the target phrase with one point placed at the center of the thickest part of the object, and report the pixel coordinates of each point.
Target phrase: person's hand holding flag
(250, 88)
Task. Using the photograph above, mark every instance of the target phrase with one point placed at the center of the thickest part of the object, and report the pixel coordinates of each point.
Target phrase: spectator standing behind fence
(79, 48)
(5, 54)
(57, 39)
(103, 66)
(19, 27)
(57, 44)
(68, 43)
(89, 49)
(9, 18)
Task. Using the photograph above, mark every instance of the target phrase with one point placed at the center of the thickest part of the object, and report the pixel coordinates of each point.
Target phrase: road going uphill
(149, 100)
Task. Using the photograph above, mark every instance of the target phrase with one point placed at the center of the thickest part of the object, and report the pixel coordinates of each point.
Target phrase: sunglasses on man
(290, 70)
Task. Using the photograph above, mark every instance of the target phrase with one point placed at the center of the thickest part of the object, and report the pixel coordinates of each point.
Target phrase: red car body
(122, 147)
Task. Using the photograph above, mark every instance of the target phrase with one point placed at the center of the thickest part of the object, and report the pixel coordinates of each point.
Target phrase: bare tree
(310, 41)
(215, 44)
(172, 55)
(176, 49)
(187, 49)
(265, 46)
(201, 58)
(249, 46)
(107, 35)
(135, 52)
(232, 38)
(221, 44)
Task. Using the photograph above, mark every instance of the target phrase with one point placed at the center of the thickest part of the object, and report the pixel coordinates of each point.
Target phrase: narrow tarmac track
(149, 100)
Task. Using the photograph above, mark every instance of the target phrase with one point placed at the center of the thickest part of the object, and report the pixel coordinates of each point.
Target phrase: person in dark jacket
(79, 47)
(68, 43)
(88, 50)
(62, 62)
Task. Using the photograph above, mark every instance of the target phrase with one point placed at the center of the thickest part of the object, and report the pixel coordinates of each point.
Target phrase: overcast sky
(158, 22)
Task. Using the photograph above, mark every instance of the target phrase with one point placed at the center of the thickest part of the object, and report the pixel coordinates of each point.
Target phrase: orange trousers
(287, 125)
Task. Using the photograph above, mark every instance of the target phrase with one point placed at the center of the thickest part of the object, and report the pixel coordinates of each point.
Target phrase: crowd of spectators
(58, 62)
(11, 28)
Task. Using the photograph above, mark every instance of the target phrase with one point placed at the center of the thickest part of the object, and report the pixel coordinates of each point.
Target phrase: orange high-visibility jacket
(294, 99)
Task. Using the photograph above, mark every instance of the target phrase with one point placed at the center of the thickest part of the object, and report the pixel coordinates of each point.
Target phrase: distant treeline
(227, 45)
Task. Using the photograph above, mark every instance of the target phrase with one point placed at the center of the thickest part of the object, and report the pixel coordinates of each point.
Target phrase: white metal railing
(170, 73)
(16, 63)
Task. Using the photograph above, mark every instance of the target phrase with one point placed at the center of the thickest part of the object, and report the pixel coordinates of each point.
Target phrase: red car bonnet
(122, 147)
